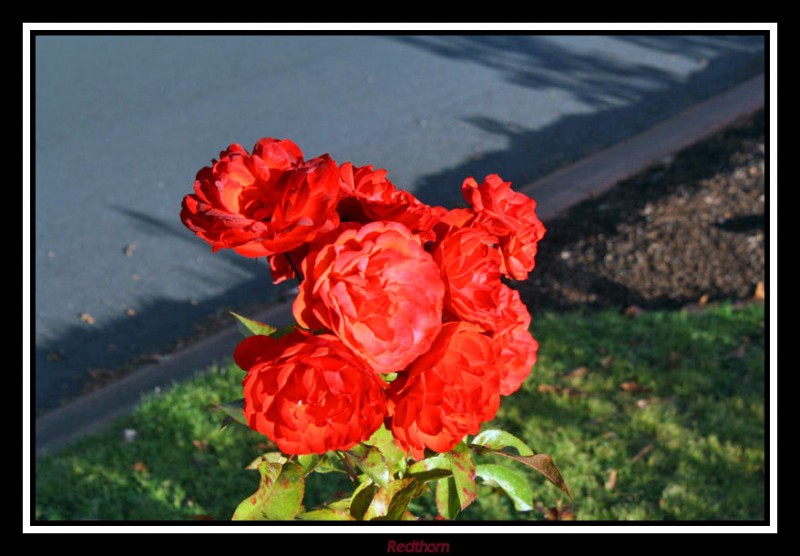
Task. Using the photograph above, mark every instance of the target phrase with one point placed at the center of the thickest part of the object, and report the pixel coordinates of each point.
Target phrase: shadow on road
(626, 98)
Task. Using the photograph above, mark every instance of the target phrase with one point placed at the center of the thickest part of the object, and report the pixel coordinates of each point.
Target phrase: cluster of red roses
(388, 285)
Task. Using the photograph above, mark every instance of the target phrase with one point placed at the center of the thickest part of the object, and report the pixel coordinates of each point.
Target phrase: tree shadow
(594, 76)
(625, 98)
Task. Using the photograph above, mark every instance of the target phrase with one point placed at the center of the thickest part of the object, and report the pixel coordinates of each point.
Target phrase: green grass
(685, 442)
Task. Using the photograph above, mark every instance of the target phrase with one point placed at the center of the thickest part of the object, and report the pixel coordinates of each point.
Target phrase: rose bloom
(368, 195)
(447, 393)
(470, 265)
(517, 347)
(265, 203)
(309, 394)
(509, 215)
(377, 289)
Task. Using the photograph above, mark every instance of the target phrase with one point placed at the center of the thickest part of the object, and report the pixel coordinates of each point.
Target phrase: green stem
(294, 267)
(348, 467)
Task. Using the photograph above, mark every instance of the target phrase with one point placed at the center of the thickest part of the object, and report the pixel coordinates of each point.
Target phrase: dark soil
(689, 231)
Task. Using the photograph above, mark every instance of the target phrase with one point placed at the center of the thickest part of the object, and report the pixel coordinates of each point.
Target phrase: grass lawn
(653, 417)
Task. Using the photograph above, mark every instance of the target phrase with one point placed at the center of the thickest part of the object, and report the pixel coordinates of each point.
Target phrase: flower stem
(348, 467)
(294, 267)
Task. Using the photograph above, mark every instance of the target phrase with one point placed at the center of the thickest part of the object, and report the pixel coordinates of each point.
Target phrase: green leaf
(279, 495)
(446, 498)
(383, 440)
(542, 463)
(463, 469)
(429, 469)
(341, 504)
(439, 461)
(326, 514)
(401, 499)
(362, 499)
(276, 458)
(326, 464)
(381, 502)
(497, 440)
(249, 327)
(370, 460)
(432, 475)
(514, 484)
(308, 462)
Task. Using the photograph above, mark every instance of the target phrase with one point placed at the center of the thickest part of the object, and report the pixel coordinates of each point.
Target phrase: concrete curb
(599, 172)
(554, 193)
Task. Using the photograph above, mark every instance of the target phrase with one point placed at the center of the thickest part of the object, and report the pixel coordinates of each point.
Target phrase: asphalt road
(122, 123)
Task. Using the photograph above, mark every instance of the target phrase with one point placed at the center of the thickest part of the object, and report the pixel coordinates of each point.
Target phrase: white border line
(156, 27)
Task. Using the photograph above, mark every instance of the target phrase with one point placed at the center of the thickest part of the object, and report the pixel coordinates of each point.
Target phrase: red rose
(265, 203)
(367, 195)
(509, 215)
(308, 393)
(517, 347)
(377, 290)
(448, 221)
(470, 263)
(447, 393)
